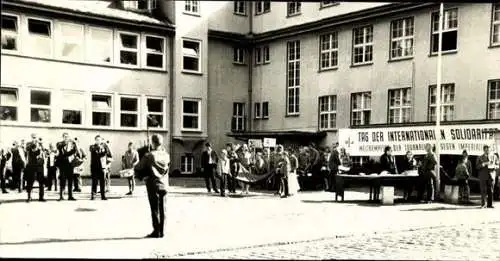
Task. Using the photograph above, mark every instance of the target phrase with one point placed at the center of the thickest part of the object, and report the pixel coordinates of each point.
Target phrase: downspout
(171, 75)
(250, 48)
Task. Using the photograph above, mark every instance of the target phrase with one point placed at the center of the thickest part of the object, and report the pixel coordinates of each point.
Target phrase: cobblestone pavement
(200, 225)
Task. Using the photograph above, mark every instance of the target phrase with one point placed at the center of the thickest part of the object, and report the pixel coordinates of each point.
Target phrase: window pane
(155, 105)
(265, 109)
(72, 35)
(127, 57)
(101, 102)
(190, 107)
(8, 113)
(8, 96)
(39, 27)
(128, 120)
(40, 98)
(154, 60)
(101, 118)
(40, 115)
(72, 117)
(128, 104)
(155, 120)
(191, 48)
(9, 42)
(190, 122)
(129, 41)
(190, 63)
(154, 44)
(101, 45)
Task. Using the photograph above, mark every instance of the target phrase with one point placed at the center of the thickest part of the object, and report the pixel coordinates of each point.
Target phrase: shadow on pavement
(464, 207)
(364, 203)
(213, 194)
(35, 201)
(58, 240)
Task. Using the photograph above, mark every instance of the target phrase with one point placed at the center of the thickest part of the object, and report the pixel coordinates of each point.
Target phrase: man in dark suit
(153, 167)
(388, 162)
(66, 153)
(334, 163)
(18, 164)
(98, 164)
(486, 166)
(209, 161)
(4, 157)
(34, 167)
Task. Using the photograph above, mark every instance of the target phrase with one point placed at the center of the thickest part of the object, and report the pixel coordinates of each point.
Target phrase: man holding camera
(153, 167)
(34, 167)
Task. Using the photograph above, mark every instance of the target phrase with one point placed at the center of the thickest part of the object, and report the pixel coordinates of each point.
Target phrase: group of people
(33, 161)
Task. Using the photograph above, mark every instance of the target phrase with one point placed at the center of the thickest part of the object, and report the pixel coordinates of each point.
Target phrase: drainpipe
(250, 48)
(171, 74)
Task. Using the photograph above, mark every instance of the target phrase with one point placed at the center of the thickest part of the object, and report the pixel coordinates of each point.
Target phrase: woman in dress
(246, 160)
(293, 182)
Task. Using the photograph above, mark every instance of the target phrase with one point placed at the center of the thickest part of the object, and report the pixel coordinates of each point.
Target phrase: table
(374, 181)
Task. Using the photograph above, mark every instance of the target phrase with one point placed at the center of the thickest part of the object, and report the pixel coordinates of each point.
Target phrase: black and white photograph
(272, 130)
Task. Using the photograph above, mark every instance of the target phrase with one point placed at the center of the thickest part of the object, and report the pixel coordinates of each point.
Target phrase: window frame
(119, 48)
(89, 45)
(28, 35)
(265, 116)
(136, 113)
(262, 5)
(192, 4)
(18, 34)
(331, 99)
(163, 114)
(16, 105)
(238, 53)
(295, 88)
(323, 5)
(364, 45)
(258, 56)
(82, 110)
(266, 60)
(111, 110)
(200, 56)
(490, 101)
(145, 52)
(296, 8)
(493, 24)
(237, 117)
(257, 110)
(362, 110)
(191, 115)
(186, 164)
(403, 39)
(330, 51)
(238, 4)
(61, 40)
(432, 52)
(152, 4)
(401, 107)
(37, 106)
(443, 105)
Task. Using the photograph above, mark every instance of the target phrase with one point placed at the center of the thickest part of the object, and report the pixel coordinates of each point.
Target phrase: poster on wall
(255, 143)
(454, 139)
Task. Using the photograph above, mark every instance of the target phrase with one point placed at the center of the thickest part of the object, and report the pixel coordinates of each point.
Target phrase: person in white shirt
(224, 171)
(51, 168)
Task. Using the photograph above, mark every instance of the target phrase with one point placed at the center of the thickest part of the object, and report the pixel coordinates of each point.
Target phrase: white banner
(269, 142)
(255, 143)
(453, 139)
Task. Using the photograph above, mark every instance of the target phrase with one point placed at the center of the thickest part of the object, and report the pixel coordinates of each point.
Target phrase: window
(140, 4)
(257, 110)
(240, 7)
(258, 55)
(293, 8)
(192, 7)
(101, 110)
(494, 99)
(328, 3)
(9, 101)
(293, 78)
(447, 102)
(39, 37)
(99, 45)
(10, 32)
(191, 56)
(402, 38)
(450, 31)
(265, 110)
(40, 106)
(191, 115)
(72, 105)
(495, 25)
(363, 45)
(239, 55)
(262, 7)
(156, 112)
(71, 41)
(267, 56)
(154, 52)
(129, 107)
(128, 48)
(327, 112)
(361, 108)
(187, 164)
(238, 121)
(329, 48)
(400, 105)
(262, 55)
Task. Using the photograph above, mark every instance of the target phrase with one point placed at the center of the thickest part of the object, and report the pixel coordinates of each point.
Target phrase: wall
(222, 17)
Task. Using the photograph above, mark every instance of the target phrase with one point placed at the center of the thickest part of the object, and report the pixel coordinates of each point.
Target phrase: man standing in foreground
(66, 153)
(98, 160)
(154, 168)
(486, 165)
(209, 160)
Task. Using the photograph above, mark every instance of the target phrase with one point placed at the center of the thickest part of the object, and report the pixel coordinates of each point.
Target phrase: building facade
(235, 70)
